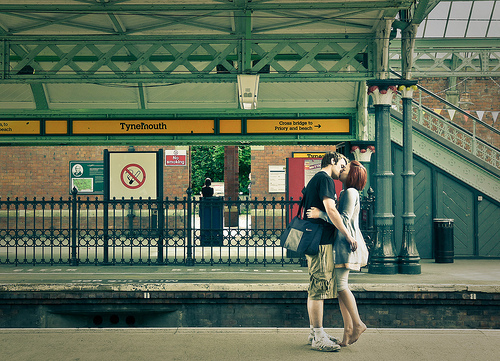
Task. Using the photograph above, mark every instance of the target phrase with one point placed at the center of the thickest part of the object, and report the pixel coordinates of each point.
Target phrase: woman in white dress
(348, 256)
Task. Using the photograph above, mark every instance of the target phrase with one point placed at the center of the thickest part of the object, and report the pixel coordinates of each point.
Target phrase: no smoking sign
(133, 176)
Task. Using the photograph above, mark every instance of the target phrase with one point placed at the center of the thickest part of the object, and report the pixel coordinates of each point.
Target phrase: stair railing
(481, 140)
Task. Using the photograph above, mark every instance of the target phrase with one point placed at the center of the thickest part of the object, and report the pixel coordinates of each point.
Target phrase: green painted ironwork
(185, 59)
(216, 6)
(409, 258)
(451, 57)
(82, 230)
(383, 257)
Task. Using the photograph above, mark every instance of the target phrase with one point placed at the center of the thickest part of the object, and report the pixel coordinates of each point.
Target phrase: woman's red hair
(357, 176)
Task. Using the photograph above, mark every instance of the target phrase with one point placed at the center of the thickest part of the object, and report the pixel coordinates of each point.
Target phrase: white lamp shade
(248, 86)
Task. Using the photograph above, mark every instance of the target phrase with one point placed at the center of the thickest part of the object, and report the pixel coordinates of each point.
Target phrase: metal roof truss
(451, 57)
(184, 59)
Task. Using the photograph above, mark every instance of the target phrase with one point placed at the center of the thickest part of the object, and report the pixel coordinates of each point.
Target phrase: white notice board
(132, 175)
(277, 175)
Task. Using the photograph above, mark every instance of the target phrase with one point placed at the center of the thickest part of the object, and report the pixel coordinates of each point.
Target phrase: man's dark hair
(327, 158)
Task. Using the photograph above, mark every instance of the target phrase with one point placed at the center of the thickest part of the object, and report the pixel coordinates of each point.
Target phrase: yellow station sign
(175, 126)
(56, 127)
(298, 126)
(308, 154)
(178, 126)
(10, 127)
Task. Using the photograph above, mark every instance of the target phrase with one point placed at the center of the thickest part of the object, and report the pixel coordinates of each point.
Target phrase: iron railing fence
(179, 231)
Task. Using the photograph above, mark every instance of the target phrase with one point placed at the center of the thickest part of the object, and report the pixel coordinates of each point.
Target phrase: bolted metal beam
(186, 59)
(453, 57)
(222, 6)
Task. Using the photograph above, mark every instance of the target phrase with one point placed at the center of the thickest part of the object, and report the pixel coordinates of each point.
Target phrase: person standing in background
(207, 190)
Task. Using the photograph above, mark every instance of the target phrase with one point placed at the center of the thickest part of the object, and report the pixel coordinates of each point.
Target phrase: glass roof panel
(482, 10)
(462, 19)
(456, 28)
(440, 11)
(496, 13)
(434, 28)
(494, 30)
(477, 29)
(460, 10)
(436, 20)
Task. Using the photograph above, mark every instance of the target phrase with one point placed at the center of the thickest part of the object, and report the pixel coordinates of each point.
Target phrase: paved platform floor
(482, 275)
(243, 344)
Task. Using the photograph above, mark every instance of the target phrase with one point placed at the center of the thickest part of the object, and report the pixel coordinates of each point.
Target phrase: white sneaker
(324, 344)
(310, 338)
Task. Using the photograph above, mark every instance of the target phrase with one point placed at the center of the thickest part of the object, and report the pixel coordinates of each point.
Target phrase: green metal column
(243, 30)
(408, 257)
(3, 59)
(383, 259)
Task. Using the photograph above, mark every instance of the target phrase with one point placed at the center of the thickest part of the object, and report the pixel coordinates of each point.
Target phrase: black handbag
(302, 236)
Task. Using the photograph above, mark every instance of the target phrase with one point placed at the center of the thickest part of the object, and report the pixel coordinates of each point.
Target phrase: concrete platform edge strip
(237, 287)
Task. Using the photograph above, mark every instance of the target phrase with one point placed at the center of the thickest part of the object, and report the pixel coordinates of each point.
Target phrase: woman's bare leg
(349, 302)
(347, 323)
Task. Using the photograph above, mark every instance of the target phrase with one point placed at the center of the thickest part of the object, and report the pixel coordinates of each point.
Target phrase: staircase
(458, 151)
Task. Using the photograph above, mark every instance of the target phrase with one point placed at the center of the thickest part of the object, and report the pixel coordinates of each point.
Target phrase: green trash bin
(444, 245)
(211, 221)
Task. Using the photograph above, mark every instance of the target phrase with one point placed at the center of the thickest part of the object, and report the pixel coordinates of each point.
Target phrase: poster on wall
(86, 176)
(218, 189)
(311, 167)
(277, 177)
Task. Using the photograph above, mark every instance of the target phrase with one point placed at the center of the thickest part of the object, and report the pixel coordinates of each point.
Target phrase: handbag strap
(302, 201)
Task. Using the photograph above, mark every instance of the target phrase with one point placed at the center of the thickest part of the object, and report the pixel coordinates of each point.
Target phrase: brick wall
(484, 96)
(38, 309)
(43, 171)
(263, 157)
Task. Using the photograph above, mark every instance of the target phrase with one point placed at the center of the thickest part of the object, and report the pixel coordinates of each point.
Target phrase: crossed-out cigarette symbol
(133, 176)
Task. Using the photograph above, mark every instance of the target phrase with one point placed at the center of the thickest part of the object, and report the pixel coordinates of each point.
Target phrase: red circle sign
(133, 176)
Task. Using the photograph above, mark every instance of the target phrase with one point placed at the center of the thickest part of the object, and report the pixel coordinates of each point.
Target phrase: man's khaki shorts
(322, 282)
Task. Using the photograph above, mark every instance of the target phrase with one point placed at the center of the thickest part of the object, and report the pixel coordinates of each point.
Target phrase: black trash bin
(444, 244)
(211, 221)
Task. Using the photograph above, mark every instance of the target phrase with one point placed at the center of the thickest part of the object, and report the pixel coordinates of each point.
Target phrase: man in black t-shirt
(319, 187)
(320, 193)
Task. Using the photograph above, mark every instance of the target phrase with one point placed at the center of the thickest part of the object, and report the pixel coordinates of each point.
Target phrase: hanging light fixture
(465, 96)
(248, 86)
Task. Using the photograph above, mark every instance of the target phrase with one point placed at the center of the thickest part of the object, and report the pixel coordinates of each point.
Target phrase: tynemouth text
(143, 126)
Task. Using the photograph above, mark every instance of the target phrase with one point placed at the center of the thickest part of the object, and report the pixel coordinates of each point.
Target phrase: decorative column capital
(363, 154)
(382, 95)
(407, 91)
(382, 90)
